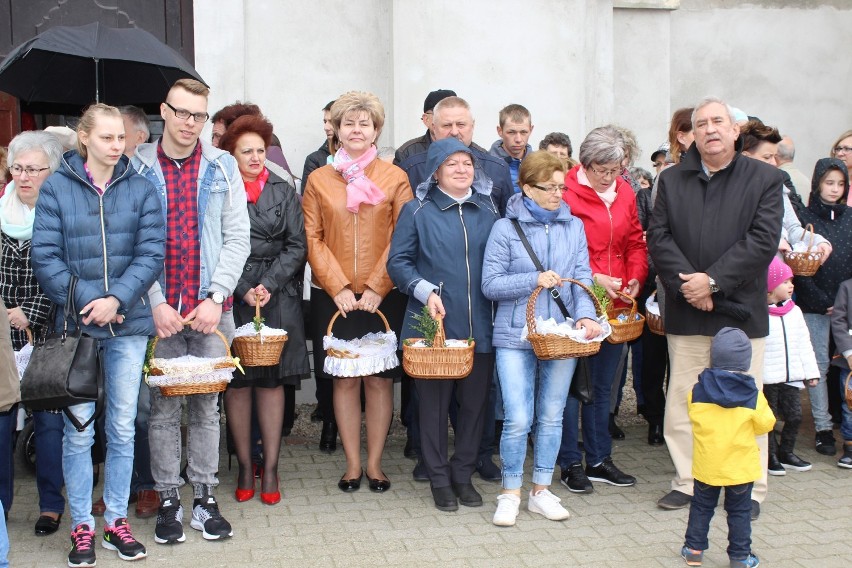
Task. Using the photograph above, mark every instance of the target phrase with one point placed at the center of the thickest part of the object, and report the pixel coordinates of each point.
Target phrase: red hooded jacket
(616, 245)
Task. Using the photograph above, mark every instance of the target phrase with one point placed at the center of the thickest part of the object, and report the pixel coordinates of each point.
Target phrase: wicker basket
(629, 330)
(437, 362)
(848, 389)
(257, 351)
(804, 263)
(655, 321)
(194, 388)
(551, 346)
(365, 362)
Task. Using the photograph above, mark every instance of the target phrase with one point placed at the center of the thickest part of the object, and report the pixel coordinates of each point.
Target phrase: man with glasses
(207, 244)
(421, 143)
(714, 230)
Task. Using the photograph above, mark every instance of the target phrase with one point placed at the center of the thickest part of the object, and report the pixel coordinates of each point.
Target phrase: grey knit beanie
(731, 350)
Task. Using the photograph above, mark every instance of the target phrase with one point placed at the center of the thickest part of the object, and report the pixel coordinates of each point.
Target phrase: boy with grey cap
(727, 411)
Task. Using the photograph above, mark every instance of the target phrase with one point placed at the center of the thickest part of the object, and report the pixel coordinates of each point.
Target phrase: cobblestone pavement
(805, 521)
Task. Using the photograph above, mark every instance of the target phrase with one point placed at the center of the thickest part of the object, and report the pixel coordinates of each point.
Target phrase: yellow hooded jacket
(727, 411)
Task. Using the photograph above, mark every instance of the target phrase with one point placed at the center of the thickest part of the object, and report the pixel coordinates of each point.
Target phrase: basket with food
(804, 259)
(363, 356)
(189, 374)
(551, 340)
(434, 356)
(653, 317)
(258, 345)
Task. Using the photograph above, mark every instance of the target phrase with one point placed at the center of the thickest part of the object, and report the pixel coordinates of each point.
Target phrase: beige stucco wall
(575, 64)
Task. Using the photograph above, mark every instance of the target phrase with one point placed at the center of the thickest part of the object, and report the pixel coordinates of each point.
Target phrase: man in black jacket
(713, 233)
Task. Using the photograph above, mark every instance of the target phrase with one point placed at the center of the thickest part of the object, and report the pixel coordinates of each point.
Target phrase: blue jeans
(737, 505)
(48, 442)
(8, 422)
(142, 478)
(525, 400)
(596, 440)
(4, 540)
(122, 359)
(819, 326)
(846, 423)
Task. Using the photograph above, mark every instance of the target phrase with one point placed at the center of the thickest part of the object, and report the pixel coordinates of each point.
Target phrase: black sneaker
(674, 499)
(207, 519)
(608, 473)
(755, 510)
(825, 443)
(169, 529)
(846, 460)
(119, 538)
(82, 552)
(574, 478)
(775, 467)
(794, 462)
(488, 471)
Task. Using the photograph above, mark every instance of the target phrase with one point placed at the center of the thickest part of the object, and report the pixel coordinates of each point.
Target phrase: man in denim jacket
(207, 244)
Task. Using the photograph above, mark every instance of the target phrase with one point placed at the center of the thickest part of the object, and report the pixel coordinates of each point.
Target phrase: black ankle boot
(328, 437)
(615, 432)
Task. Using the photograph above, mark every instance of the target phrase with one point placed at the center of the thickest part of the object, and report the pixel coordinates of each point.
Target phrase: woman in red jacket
(599, 196)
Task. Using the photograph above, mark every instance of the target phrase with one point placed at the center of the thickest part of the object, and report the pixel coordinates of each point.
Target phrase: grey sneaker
(674, 500)
(207, 519)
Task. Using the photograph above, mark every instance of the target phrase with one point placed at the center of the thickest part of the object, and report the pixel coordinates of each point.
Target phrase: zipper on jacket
(549, 263)
(355, 240)
(786, 351)
(467, 264)
(609, 247)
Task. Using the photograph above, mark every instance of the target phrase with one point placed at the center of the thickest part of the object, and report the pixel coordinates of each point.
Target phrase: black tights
(270, 415)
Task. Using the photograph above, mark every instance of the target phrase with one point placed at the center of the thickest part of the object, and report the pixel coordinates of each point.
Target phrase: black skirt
(356, 324)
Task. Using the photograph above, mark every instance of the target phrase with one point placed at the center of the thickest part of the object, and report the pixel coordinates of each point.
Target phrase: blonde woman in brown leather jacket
(351, 207)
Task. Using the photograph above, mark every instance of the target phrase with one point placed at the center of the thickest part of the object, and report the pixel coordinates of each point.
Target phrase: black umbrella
(92, 63)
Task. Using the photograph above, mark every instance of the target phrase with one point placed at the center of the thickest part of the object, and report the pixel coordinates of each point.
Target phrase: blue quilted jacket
(114, 243)
(509, 275)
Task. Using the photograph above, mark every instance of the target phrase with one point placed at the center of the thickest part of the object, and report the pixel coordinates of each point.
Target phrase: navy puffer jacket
(114, 243)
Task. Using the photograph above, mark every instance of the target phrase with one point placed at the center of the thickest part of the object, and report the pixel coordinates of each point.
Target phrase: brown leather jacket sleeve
(326, 271)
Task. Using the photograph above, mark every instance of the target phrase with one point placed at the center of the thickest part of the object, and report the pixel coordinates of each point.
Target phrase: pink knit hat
(778, 273)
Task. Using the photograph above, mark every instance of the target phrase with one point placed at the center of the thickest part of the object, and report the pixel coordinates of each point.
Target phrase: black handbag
(65, 369)
(581, 385)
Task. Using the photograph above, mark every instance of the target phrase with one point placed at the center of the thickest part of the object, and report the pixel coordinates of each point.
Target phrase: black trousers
(655, 359)
(435, 397)
(786, 404)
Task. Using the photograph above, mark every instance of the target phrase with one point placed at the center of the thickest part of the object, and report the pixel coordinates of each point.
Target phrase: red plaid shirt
(183, 235)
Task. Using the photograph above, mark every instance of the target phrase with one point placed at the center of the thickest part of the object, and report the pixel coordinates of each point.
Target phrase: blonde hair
(87, 122)
(358, 102)
(191, 86)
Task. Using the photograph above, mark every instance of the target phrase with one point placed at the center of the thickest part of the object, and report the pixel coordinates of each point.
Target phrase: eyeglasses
(552, 189)
(183, 114)
(606, 173)
(842, 149)
(17, 170)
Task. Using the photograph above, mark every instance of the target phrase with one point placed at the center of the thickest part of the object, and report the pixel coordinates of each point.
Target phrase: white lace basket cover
(368, 355)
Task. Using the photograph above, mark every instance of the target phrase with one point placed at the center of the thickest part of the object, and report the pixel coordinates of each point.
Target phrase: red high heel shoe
(270, 498)
(243, 495)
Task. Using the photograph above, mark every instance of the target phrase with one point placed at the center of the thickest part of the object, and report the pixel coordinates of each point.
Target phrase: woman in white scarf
(33, 156)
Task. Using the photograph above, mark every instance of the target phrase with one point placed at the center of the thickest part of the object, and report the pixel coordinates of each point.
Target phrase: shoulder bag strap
(554, 292)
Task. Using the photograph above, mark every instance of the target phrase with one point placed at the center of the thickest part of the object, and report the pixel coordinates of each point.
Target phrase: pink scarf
(785, 308)
(359, 188)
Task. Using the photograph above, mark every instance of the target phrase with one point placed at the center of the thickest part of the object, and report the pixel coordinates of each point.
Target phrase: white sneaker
(507, 510)
(546, 503)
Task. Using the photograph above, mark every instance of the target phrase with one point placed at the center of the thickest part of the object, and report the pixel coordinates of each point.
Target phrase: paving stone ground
(805, 521)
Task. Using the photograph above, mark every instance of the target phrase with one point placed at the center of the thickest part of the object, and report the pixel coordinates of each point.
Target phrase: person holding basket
(535, 389)
(436, 258)
(351, 207)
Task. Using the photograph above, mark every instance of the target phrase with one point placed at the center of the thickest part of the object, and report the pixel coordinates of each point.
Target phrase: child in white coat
(789, 363)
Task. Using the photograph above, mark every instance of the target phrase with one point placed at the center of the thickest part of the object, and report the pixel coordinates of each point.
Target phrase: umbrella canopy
(93, 63)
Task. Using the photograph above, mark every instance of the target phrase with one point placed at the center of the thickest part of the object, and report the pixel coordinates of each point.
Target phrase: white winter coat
(789, 356)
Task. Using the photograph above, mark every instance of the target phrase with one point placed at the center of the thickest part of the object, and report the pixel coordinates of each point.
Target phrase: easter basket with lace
(360, 357)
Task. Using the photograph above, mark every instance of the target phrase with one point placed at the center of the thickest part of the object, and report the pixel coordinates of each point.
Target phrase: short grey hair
(450, 102)
(603, 145)
(629, 142)
(36, 140)
(786, 151)
(709, 100)
(138, 117)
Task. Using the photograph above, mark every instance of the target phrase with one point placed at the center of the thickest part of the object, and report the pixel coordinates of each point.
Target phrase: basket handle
(848, 377)
(809, 228)
(534, 297)
(189, 322)
(632, 302)
(338, 312)
(440, 334)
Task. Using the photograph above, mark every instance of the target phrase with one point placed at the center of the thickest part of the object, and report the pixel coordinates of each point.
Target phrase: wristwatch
(217, 297)
(713, 286)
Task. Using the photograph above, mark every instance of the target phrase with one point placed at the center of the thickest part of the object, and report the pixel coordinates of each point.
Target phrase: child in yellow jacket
(727, 411)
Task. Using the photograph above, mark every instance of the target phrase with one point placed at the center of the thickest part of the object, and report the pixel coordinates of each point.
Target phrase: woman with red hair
(272, 277)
